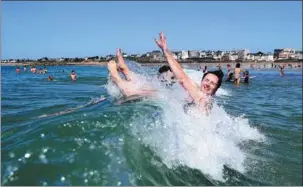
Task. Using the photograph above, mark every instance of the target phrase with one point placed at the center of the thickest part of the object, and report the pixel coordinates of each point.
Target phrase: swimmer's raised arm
(178, 71)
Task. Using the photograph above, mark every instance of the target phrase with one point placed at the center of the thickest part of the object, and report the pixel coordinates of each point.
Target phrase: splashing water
(207, 143)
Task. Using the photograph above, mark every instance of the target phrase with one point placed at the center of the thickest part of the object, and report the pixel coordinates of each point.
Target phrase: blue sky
(79, 29)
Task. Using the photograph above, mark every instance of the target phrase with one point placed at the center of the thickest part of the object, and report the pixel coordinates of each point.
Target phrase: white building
(193, 54)
(202, 54)
(242, 54)
(184, 54)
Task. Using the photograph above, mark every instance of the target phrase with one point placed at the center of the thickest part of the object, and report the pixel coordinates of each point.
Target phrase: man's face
(209, 84)
(167, 77)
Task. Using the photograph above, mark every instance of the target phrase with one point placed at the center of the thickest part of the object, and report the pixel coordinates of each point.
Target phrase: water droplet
(42, 135)
(12, 155)
(27, 155)
(119, 183)
(62, 178)
(44, 183)
(84, 114)
(92, 146)
(44, 150)
(85, 180)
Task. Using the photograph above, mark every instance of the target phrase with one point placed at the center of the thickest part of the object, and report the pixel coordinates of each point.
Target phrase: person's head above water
(50, 78)
(211, 82)
(166, 75)
(238, 65)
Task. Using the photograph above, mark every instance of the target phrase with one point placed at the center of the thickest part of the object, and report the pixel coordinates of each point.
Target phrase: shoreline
(195, 64)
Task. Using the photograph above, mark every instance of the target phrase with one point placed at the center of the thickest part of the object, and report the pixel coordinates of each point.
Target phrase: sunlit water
(65, 133)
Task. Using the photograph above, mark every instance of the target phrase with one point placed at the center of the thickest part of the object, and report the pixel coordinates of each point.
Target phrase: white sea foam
(198, 141)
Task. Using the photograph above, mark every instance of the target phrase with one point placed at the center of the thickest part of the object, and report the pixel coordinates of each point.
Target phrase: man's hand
(162, 42)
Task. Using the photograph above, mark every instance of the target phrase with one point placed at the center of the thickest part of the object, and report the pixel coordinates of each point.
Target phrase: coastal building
(193, 54)
(284, 53)
(202, 54)
(234, 57)
(298, 55)
(184, 54)
(269, 57)
(250, 57)
(242, 54)
(175, 55)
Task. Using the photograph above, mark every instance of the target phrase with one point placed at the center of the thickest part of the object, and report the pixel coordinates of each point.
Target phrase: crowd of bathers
(33, 69)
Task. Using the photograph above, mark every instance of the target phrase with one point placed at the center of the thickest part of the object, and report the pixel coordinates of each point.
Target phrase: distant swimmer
(33, 69)
(40, 71)
(246, 76)
(200, 94)
(18, 69)
(50, 78)
(281, 70)
(204, 69)
(24, 68)
(44, 70)
(229, 73)
(219, 66)
(237, 74)
(73, 75)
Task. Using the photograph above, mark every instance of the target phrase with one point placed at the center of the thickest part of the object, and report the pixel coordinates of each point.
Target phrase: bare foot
(112, 68)
(121, 62)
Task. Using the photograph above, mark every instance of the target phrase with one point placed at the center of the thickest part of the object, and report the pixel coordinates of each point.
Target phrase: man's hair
(238, 65)
(218, 73)
(163, 69)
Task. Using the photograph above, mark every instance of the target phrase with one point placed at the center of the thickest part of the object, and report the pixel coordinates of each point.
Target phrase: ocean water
(78, 133)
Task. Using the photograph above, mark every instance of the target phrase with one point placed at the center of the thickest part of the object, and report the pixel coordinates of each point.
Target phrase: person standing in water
(18, 69)
(281, 70)
(50, 78)
(246, 77)
(205, 69)
(237, 74)
(219, 67)
(201, 95)
(229, 73)
(73, 75)
(24, 68)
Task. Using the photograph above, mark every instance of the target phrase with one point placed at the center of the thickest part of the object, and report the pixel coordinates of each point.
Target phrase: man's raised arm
(184, 80)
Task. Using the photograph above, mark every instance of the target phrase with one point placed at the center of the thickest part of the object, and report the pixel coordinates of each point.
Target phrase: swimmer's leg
(123, 85)
(122, 67)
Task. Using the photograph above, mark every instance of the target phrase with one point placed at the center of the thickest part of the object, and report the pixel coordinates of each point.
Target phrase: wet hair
(163, 69)
(238, 65)
(219, 74)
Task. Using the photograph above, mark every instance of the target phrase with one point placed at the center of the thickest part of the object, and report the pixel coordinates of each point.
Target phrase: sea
(83, 132)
